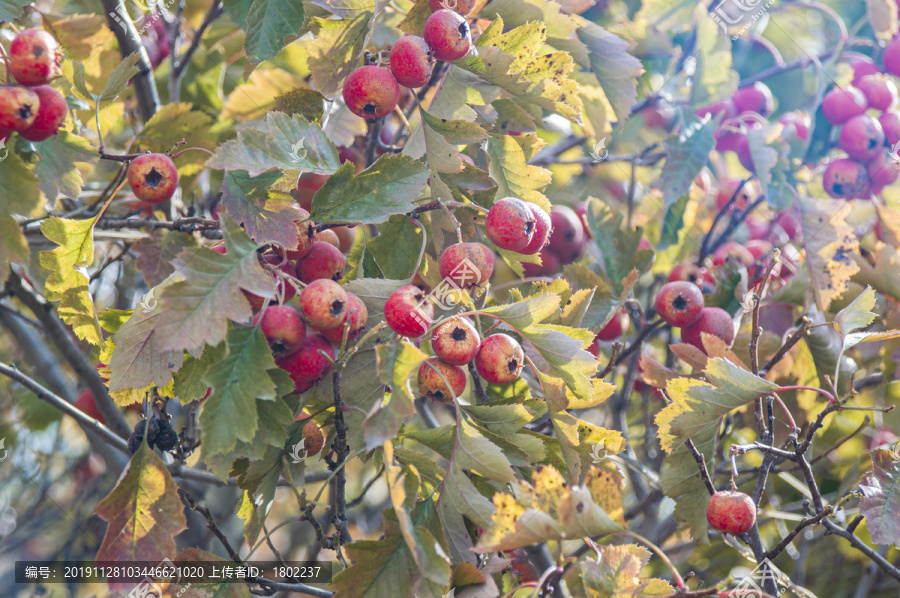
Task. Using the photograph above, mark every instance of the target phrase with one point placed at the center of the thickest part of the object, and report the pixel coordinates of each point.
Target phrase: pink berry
(883, 171)
(862, 137)
(840, 105)
(861, 65)
(153, 178)
(542, 227)
(371, 92)
(755, 98)
(567, 238)
(615, 327)
(500, 359)
(431, 380)
(283, 329)
(448, 35)
(713, 320)
(725, 107)
(323, 260)
(456, 341)
(890, 124)
(845, 179)
(679, 303)
(307, 366)
(731, 512)
(408, 312)
(880, 91)
(50, 115)
(323, 304)
(411, 61)
(548, 267)
(891, 57)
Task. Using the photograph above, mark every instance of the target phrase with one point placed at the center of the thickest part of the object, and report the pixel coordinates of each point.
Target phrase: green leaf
(144, 512)
(396, 364)
(437, 140)
(190, 384)
(156, 253)
(209, 292)
(880, 503)
(336, 50)
(682, 482)
(11, 10)
(621, 256)
(696, 406)
(827, 349)
(856, 315)
(266, 216)
(389, 186)
(57, 171)
(687, 155)
(527, 312)
(507, 165)
(308, 103)
(616, 69)
(396, 248)
(13, 245)
(119, 78)
(68, 281)
(268, 23)
(673, 222)
(476, 453)
(283, 142)
(21, 188)
(230, 414)
(414, 21)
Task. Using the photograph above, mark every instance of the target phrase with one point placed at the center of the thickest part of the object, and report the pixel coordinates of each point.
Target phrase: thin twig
(701, 463)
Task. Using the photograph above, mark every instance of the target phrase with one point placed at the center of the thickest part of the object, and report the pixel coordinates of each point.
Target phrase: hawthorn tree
(465, 297)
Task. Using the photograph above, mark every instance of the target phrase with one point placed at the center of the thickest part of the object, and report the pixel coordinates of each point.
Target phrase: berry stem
(195, 149)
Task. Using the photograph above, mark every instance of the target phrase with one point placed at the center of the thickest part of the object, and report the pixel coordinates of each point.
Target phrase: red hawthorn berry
(329, 236)
(725, 107)
(890, 124)
(500, 359)
(548, 267)
(679, 303)
(615, 327)
(34, 57)
(846, 178)
(323, 304)
(371, 92)
(19, 107)
(694, 274)
(323, 260)
(733, 250)
(567, 237)
(731, 512)
(88, 405)
(448, 35)
(288, 291)
(467, 265)
(862, 138)
(51, 113)
(307, 366)
(153, 178)
(754, 98)
(411, 61)
(713, 320)
(432, 374)
(283, 329)
(883, 171)
(542, 227)
(891, 57)
(510, 224)
(880, 91)
(840, 105)
(861, 65)
(408, 312)
(357, 315)
(456, 341)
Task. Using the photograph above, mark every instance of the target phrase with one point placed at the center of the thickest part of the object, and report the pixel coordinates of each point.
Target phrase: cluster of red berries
(681, 304)
(32, 108)
(866, 140)
(327, 309)
(372, 92)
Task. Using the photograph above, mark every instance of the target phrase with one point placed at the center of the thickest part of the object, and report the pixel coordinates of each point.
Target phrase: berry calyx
(371, 92)
(322, 261)
(840, 105)
(19, 107)
(448, 34)
(510, 224)
(456, 341)
(500, 359)
(51, 113)
(432, 374)
(679, 303)
(307, 366)
(694, 274)
(411, 61)
(313, 438)
(731, 512)
(615, 327)
(34, 57)
(542, 228)
(862, 138)
(323, 304)
(283, 329)
(357, 315)
(153, 178)
(467, 265)
(713, 320)
(407, 312)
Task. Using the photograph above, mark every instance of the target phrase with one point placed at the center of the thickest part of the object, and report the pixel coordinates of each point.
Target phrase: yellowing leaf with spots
(616, 574)
(830, 243)
(144, 513)
(68, 280)
(550, 509)
(698, 405)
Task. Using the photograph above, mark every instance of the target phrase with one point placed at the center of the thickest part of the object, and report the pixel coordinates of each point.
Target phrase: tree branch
(701, 463)
(130, 42)
(341, 451)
